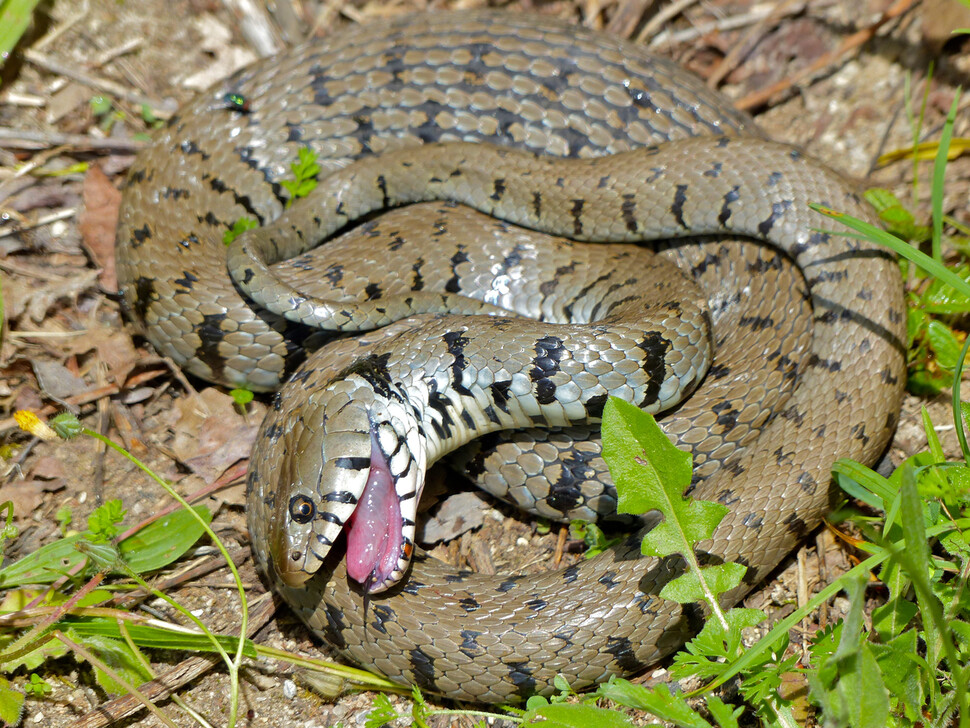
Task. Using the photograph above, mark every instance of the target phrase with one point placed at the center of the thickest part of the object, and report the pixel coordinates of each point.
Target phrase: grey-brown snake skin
(827, 365)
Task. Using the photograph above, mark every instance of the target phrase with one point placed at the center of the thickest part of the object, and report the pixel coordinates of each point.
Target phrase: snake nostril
(295, 555)
(302, 509)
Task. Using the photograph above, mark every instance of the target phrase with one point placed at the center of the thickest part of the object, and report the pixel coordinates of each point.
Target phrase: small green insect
(236, 102)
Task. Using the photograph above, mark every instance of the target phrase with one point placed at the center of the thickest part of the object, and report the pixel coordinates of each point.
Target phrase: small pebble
(289, 689)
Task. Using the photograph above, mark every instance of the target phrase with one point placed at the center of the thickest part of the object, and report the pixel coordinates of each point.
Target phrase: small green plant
(305, 171)
(238, 228)
(593, 536)
(241, 398)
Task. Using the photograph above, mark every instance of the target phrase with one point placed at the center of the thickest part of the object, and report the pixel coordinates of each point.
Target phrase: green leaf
(722, 713)
(891, 618)
(14, 18)
(901, 247)
(118, 656)
(11, 703)
(163, 541)
(103, 521)
(44, 565)
(577, 715)
(305, 171)
(704, 655)
(648, 470)
(897, 218)
(863, 691)
(689, 521)
(50, 649)
(688, 588)
(658, 701)
(238, 228)
(382, 712)
(242, 397)
(944, 344)
(100, 105)
(863, 483)
(37, 687)
(902, 668)
(66, 425)
(651, 474)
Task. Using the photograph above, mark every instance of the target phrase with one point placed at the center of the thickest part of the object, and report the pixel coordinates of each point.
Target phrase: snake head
(349, 476)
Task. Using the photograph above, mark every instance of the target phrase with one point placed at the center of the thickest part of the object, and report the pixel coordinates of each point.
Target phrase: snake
(461, 157)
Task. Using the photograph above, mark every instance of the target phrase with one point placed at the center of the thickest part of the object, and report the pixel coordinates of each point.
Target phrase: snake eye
(301, 509)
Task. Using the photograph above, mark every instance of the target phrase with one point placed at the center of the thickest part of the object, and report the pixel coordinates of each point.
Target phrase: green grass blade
(898, 246)
(14, 19)
(939, 173)
(145, 635)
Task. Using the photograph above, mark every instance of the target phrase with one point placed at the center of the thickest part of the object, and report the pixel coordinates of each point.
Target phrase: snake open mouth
(375, 528)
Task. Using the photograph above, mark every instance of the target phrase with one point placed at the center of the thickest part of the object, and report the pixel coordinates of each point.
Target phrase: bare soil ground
(830, 76)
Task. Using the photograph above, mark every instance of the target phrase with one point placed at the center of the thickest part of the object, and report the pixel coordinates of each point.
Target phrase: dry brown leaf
(36, 298)
(57, 381)
(98, 222)
(940, 18)
(26, 496)
(458, 513)
(47, 467)
(114, 348)
(211, 435)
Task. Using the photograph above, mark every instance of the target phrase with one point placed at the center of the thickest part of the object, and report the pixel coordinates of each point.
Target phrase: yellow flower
(34, 425)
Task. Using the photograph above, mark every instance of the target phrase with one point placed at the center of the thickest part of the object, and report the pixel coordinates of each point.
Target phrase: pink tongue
(374, 530)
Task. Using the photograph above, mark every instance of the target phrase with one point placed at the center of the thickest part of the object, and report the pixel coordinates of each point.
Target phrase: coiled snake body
(351, 434)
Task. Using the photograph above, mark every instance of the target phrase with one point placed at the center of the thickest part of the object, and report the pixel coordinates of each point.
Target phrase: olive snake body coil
(542, 86)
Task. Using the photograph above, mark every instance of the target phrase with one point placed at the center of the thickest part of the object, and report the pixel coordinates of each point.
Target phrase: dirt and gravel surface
(831, 76)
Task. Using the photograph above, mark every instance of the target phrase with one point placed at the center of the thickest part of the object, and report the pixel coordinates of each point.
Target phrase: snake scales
(394, 399)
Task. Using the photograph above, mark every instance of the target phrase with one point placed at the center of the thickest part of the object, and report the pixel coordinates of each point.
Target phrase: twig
(15, 98)
(167, 683)
(79, 399)
(668, 38)
(627, 16)
(103, 84)
(740, 49)
(39, 222)
(256, 26)
(24, 139)
(665, 14)
(853, 42)
(62, 27)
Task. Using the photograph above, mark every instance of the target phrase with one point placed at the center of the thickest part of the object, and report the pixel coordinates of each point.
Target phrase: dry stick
(754, 34)
(104, 84)
(25, 139)
(167, 683)
(256, 26)
(627, 17)
(85, 398)
(667, 13)
(39, 222)
(854, 41)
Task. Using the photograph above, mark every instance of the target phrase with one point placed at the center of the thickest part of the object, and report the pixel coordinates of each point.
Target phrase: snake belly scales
(765, 424)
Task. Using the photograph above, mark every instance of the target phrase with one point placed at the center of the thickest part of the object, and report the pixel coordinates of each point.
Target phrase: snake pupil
(301, 509)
